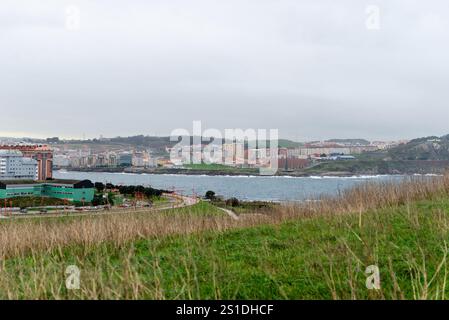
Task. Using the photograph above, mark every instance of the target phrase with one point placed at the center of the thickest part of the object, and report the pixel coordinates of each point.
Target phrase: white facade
(304, 152)
(60, 160)
(234, 153)
(14, 166)
(141, 159)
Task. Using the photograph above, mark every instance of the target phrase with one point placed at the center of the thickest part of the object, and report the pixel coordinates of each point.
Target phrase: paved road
(176, 201)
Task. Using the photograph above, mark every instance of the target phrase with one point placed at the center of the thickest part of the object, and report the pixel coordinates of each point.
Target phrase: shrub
(210, 195)
(233, 202)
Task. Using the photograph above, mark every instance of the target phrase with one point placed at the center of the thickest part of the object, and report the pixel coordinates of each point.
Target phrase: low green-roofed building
(79, 191)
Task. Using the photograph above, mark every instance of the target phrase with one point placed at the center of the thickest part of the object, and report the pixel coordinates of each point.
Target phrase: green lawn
(204, 166)
(315, 258)
(25, 202)
(220, 168)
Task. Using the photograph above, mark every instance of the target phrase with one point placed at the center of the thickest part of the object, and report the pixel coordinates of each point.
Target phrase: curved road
(177, 201)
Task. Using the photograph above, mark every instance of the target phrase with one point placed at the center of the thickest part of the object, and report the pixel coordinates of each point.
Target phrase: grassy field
(220, 168)
(316, 250)
(204, 166)
(24, 202)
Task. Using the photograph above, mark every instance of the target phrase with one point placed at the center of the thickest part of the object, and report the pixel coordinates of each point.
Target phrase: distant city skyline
(314, 70)
(43, 137)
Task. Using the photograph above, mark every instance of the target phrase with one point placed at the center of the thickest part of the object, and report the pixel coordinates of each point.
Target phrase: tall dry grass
(19, 237)
(34, 275)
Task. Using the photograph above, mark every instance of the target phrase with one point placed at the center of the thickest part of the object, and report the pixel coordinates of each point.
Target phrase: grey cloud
(309, 68)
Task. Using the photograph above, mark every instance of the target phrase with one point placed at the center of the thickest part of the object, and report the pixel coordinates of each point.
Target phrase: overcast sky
(313, 69)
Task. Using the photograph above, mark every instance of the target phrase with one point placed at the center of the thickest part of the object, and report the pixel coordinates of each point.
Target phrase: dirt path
(230, 213)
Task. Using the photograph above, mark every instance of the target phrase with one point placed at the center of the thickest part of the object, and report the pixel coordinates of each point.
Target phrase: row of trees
(131, 190)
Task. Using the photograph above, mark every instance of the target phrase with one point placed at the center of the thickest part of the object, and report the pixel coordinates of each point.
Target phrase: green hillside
(427, 148)
(317, 252)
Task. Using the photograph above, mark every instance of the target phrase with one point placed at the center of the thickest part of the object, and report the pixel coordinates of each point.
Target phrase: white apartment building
(305, 152)
(234, 153)
(141, 159)
(14, 166)
(60, 160)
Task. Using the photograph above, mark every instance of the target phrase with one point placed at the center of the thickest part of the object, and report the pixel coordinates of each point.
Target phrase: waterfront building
(41, 153)
(141, 159)
(71, 190)
(125, 159)
(234, 153)
(112, 159)
(13, 165)
(61, 161)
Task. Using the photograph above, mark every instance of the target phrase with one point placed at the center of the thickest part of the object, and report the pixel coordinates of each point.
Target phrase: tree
(111, 198)
(210, 195)
(99, 186)
(98, 200)
(233, 202)
(110, 186)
